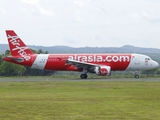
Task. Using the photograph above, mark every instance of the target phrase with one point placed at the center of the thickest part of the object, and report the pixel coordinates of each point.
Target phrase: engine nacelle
(103, 70)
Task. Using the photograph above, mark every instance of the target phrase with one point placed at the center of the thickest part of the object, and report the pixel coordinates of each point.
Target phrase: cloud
(37, 6)
(81, 2)
(31, 2)
(3, 11)
(45, 11)
(152, 16)
(83, 22)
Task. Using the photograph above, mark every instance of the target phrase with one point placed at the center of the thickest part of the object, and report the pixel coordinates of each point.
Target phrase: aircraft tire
(136, 76)
(83, 76)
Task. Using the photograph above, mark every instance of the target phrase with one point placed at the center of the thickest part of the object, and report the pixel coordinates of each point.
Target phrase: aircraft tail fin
(17, 46)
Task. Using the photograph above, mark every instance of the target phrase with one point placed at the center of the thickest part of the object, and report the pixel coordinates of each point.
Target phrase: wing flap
(80, 65)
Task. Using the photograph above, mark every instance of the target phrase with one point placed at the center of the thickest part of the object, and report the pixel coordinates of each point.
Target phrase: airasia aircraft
(100, 64)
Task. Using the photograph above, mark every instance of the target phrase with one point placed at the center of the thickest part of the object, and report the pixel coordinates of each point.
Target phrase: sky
(81, 23)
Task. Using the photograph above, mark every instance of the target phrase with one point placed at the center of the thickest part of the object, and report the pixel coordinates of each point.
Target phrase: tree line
(10, 69)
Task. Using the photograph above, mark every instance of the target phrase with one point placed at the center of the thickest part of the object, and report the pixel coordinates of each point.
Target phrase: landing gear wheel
(136, 76)
(83, 76)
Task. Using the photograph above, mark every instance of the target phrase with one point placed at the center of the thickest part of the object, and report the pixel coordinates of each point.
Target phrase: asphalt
(43, 79)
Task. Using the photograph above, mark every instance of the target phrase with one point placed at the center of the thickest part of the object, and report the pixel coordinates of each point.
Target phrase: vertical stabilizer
(17, 46)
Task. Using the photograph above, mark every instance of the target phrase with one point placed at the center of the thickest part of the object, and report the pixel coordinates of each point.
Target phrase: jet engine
(103, 70)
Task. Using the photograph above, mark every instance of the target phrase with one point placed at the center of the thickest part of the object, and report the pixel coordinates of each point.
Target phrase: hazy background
(80, 23)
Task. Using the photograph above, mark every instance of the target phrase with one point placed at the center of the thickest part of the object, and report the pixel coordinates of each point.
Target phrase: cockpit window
(147, 59)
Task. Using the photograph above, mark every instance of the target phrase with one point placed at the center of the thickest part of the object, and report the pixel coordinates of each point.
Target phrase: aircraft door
(137, 60)
(146, 61)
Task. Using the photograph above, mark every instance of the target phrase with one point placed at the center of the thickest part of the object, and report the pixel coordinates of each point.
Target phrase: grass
(79, 100)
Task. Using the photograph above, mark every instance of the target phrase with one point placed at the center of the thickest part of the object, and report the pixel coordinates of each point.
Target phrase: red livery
(100, 64)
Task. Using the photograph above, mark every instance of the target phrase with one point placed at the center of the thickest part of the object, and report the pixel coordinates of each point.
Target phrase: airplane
(100, 64)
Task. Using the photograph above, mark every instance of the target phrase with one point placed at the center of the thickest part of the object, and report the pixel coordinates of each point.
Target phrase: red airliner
(100, 64)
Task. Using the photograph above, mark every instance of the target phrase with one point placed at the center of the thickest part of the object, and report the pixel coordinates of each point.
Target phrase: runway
(44, 79)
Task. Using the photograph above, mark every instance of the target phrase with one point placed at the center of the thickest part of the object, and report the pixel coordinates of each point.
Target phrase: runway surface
(43, 79)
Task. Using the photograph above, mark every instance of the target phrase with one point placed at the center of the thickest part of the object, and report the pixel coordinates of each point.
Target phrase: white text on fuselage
(100, 58)
(21, 50)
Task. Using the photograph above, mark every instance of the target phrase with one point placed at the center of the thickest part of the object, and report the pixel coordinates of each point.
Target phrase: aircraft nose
(155, 65)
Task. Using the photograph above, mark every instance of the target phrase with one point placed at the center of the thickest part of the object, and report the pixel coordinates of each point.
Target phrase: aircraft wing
(82, 65)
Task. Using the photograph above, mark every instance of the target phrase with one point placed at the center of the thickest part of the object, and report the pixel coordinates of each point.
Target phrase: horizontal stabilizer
(14, 58)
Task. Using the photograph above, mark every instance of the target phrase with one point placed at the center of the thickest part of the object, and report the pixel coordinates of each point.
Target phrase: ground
(75, 99)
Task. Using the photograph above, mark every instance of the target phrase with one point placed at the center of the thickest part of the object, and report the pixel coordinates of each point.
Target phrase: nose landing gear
(136, 74)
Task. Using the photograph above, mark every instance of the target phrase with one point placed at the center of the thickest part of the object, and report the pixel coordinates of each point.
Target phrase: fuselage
(117, 61)
(100, 64)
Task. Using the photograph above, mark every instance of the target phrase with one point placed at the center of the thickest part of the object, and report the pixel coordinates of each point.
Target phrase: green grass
(79, 100)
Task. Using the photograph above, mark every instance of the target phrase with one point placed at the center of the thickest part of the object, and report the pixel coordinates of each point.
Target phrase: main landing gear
(83, 76)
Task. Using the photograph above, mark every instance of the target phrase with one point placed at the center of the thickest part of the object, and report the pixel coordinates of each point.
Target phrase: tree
(1, 59)
(7, 52)
(151, 72)
(10, 69)
(40, 51)
(33, 50)
(46, 52)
